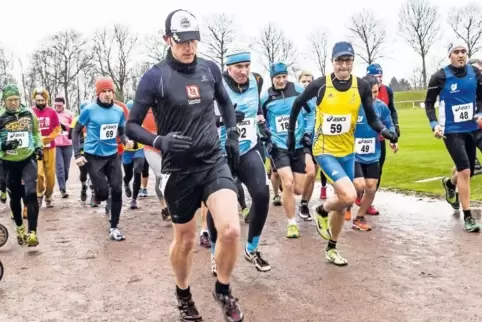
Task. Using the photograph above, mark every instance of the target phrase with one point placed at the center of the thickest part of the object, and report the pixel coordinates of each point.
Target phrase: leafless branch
(466, 22)
(318, 40)
(369, 33)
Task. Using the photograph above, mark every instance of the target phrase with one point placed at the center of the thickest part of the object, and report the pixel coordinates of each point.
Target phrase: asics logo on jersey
(109, 127)
(245, 122)
(336, 119)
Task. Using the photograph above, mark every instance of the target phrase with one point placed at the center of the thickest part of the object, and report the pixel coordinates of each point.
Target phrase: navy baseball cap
(182, 26)
(342, 48)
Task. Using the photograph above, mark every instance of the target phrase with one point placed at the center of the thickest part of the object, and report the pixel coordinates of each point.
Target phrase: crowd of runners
(207, 133)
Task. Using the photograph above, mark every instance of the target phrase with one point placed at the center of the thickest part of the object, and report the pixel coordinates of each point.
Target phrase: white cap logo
(185, 23)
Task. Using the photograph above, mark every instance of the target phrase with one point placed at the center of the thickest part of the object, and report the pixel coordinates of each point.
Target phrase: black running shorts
(462, 149)
(367, 171)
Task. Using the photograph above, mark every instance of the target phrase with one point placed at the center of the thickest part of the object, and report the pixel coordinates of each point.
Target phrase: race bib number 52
(365, 146)
(21, 137)
(463, 112)
(108, 131)
(336, 124)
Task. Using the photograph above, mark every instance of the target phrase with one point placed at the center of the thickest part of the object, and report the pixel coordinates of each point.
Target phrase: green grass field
(421, 156)
(408, 96)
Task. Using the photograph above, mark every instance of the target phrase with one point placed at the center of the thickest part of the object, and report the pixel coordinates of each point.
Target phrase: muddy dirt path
(416, 265)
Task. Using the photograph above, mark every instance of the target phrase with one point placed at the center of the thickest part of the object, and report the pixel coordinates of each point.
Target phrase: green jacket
(22, 126)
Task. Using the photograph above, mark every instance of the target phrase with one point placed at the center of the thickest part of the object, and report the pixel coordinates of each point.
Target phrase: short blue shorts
(129, 156)
(336, 168)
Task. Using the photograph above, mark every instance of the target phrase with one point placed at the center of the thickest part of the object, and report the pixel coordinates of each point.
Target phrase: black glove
(39, 153)
(173, 142)
(389, 135)
(397, 129)
(64, 128)
(232, 148)
(290, 142)
(264, 132)
(218, 121)
(10, 145)
(306, 140)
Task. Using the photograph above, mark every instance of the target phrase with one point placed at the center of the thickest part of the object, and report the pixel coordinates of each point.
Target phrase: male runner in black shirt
(181, 90)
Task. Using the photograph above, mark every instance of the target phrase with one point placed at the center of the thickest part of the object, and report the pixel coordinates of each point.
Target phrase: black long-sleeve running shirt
(181, 97)
(317, 89)
(437, 83)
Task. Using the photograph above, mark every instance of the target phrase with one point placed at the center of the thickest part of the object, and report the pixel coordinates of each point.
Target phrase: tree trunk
(424, 71)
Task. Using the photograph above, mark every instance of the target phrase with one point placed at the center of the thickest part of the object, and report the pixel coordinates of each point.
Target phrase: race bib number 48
(463, 112)
(336, 124)
(365, 146)
(108, 131)
(247, 129)
(21, 137)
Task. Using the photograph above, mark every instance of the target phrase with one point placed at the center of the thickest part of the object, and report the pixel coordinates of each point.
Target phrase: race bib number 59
(463, 112)
(336, 124)
(108, 131)
(365, 146)
(21, 137)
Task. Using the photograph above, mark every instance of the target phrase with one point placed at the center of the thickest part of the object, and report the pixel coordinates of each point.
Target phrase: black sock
(321, 211)
(449, 184)
(222, 288)
(467, 214)
(183, 293)
(331, 245)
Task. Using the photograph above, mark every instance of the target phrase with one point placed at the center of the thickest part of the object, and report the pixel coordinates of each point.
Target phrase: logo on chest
(453, 88)
(193, 94)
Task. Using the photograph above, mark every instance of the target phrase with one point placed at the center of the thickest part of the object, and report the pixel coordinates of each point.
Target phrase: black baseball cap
(182, 26)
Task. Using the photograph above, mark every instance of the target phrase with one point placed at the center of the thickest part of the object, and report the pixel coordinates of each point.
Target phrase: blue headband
(244, 57)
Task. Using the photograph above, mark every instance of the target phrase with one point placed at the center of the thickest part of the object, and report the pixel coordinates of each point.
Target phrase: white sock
(292, 221)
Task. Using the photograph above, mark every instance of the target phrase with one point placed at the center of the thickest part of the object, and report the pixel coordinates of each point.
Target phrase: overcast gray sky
(25, 23)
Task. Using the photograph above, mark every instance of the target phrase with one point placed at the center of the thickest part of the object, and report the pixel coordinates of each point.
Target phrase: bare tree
(72, 57)
(369, 33)
(273, 45)
(466, 22)
(6, 65)
(28, 82)
(419, 24)
(219, 37)
(318, 39)
(417, 79)
(113, 51)
(44, 70)
(156, 47)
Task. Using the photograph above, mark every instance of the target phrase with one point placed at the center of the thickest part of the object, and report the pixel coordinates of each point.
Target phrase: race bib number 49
(365, 146)
(108, 131)
(21, 137)
(463, 112)
(247, 129)
(336, 124)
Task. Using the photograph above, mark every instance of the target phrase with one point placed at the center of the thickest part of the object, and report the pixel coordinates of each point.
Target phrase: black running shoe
(187, 309)
(231, 310)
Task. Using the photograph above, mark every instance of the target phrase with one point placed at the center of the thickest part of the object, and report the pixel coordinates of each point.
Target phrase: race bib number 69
(108, 131)
(336, 124)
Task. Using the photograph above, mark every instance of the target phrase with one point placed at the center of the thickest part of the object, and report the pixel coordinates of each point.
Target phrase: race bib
(336, 124)
(365, 146)
(282, 124)
(463, 112)
(108, 131)
(247, 130)
(22, 138)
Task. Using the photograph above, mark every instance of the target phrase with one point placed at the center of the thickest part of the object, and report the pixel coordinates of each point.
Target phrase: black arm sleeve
(76, 135)
(367, 102)
(225, 106)
(69, 136)
(310, 91)
(122, 135)
(146, 94)
(435, 85)
(391, 106)
(478, 98)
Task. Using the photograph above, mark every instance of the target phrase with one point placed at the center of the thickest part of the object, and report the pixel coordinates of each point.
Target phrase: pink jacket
(65, 118)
